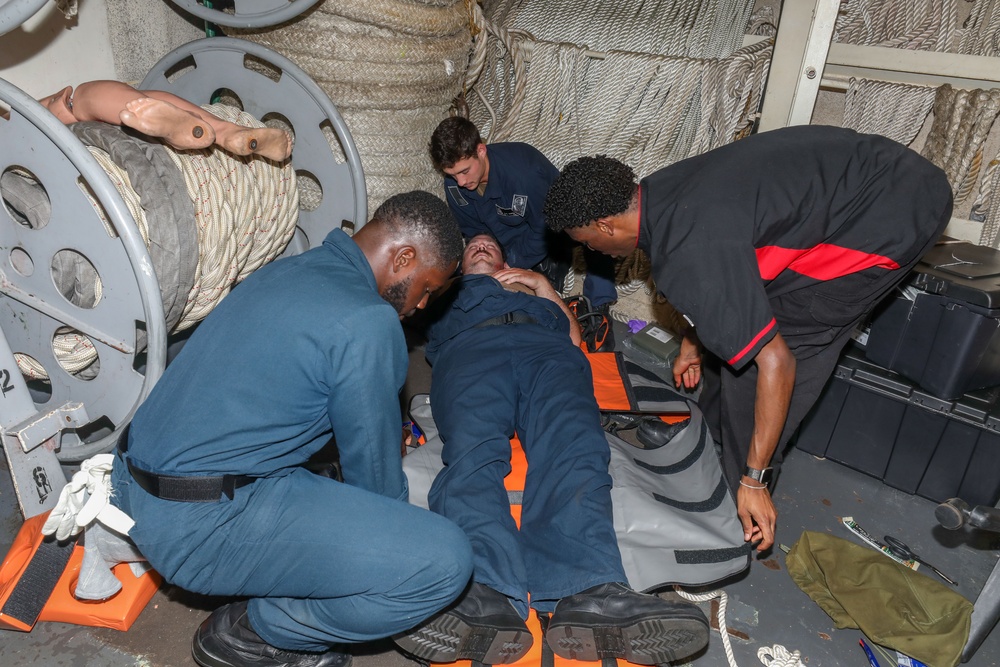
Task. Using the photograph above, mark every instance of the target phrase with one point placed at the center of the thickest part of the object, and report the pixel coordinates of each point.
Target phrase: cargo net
(954, 128)
(648, 84)
(242, 214)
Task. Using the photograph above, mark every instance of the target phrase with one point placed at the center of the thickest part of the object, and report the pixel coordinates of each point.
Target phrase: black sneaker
(613, 621)
(225, 639)
(483, 626)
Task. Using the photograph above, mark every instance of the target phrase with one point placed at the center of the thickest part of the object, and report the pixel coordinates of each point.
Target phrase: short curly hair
(423, 218)
(453, 140)
(587, 189)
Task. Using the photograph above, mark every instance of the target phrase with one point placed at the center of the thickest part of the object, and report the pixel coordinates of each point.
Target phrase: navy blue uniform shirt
(477, 298)
(511, 206)
(303, 348)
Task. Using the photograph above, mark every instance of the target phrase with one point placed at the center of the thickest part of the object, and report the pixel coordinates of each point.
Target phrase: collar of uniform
(494, 190)
(338, 242)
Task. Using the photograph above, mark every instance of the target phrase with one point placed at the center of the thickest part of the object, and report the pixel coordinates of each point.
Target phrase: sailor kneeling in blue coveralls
(506, 360)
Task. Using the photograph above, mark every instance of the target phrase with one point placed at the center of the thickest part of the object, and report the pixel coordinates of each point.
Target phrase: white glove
(85, 499)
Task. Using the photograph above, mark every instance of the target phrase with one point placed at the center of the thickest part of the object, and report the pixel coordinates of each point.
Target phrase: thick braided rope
(245, 211)
(962, 121)
(393, 68)
(982, 33)
(693, 28)
(926, 24)
(894, 110)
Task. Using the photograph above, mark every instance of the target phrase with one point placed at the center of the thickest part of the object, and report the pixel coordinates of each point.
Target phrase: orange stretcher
(38, 577)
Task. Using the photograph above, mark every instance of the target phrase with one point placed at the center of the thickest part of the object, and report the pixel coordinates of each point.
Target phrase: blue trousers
(324, 562)
(488, 385)
(599, 283)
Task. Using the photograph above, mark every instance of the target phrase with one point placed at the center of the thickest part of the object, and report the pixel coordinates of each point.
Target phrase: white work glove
(86, 498)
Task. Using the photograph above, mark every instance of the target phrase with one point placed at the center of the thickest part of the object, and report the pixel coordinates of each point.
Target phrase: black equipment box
(876, 421)
(944, 331)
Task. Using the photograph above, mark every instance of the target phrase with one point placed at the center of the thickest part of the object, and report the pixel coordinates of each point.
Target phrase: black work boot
(225, 639)
(613, 621)
(483, 626)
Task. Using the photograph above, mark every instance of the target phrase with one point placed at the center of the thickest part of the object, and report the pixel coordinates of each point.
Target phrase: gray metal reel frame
(220, 63)
(249, 13)
(31, 306)
(15, 12)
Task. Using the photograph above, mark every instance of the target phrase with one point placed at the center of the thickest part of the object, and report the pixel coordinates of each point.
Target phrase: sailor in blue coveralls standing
(499, 190)
(775, 247)
(307, 347)
(506, 360)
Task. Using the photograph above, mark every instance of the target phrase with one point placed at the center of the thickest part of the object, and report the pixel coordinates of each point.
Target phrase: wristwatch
(762, 476)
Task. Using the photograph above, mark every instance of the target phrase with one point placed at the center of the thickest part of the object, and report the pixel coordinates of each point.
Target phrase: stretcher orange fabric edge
(117, 612)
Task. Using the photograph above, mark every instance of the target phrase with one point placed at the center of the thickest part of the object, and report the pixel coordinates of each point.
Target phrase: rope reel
(248, 13)
(114, 310)
(15, 12)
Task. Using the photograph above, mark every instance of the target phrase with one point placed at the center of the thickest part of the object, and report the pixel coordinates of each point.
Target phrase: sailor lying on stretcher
(506, 360)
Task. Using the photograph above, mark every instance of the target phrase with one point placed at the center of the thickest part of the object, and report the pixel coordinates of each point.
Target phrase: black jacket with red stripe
(736, 234)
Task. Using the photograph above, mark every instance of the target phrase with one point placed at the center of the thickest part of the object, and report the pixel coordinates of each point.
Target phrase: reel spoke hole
(25, 198)
(76, 279)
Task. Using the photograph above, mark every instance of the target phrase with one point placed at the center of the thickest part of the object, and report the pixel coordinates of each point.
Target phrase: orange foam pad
(117, 612)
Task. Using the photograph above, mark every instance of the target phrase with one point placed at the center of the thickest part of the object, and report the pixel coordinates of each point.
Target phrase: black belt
(513, 317)
(207, 489)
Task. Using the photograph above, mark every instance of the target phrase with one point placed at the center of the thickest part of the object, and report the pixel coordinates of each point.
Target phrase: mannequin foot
(269, 142)
(156, 118)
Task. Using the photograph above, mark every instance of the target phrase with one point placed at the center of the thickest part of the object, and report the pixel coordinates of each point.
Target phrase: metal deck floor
(764, 604)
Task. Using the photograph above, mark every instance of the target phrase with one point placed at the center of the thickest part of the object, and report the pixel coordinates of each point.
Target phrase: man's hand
(757, 514)
(533, 280)
(687, 365)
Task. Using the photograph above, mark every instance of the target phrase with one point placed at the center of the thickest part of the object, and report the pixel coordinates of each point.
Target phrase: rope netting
(647, 109)
(708, 29)
(963, 126)
(245, 209)
(392, 67)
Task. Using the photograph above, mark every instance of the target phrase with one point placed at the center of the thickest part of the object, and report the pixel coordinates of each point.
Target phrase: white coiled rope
(246, 210)
(771, 656)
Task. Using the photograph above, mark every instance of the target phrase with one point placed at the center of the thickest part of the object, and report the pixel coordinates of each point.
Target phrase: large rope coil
(245, 212)
(393, 67)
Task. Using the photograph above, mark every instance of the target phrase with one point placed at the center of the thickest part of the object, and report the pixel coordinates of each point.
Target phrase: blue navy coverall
(510, 209)
(490, 382)
(303, 348)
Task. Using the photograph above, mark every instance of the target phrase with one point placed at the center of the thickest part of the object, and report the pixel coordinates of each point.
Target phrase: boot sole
(449, 638)
(643, 642)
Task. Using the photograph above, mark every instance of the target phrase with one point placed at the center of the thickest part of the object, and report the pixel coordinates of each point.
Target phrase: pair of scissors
(900, 550)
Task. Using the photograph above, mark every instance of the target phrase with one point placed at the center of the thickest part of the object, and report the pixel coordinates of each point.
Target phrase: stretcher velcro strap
(623, 386)
(32, 589)
(698, 556)
(709, 504)
(209, 489)
(513, 317)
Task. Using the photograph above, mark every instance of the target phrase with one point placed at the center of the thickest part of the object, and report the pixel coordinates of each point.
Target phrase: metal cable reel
(39, 153)
(80, 225)
(272, 88)
(248, 13)
(15, 12)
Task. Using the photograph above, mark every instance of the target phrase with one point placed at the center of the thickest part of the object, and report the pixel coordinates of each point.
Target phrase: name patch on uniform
(518, 206)
(456, 194)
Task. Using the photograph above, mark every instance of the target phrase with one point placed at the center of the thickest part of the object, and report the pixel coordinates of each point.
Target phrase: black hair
(454, 139)
(425, 220)
(587, 189)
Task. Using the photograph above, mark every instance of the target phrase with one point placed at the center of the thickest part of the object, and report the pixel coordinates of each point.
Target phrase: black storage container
(943, 331)
(876, 421)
